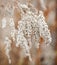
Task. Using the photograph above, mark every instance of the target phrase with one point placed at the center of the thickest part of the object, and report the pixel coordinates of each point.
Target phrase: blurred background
(44, 56)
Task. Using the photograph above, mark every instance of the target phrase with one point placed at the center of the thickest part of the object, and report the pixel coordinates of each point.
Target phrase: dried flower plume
(30, 28)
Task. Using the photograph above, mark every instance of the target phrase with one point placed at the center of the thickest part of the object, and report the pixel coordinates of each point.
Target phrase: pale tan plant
(28, 30)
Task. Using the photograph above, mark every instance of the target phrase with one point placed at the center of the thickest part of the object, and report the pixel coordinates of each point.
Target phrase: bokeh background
(44, 56)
